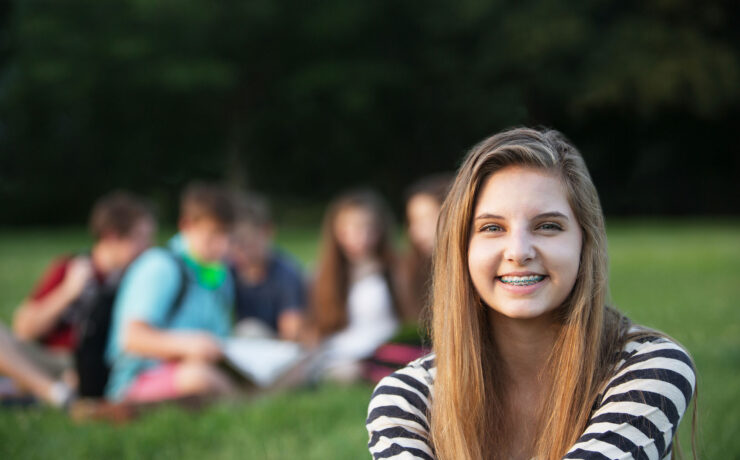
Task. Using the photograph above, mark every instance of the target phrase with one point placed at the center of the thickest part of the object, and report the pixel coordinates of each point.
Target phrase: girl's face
(525, 243)
(422, 212)
(357, 233)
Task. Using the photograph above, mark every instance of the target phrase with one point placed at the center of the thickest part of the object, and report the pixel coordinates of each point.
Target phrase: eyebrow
(551, 215)
(544, 215)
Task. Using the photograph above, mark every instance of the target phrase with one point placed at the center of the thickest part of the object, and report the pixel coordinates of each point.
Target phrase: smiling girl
(529, 361)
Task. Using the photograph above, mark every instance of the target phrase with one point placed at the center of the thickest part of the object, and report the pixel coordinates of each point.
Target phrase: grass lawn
(680, 276)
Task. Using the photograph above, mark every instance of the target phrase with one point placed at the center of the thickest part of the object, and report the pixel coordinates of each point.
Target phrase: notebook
(262, 360)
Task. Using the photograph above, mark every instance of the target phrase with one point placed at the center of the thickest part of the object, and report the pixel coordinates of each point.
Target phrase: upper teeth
(522, 279)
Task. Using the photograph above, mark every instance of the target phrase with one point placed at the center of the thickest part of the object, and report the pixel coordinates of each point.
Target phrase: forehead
(246, 229)
(422, 203)
(517, 190)
(209, 225)
(145, 223)
(142, 226)
(354, 215)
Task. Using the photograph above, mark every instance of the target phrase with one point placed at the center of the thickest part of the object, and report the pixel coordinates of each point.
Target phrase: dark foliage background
(303, 99)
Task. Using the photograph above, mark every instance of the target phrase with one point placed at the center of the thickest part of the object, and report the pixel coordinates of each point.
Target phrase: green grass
(683, 278)
(679, 276)
(326, 423)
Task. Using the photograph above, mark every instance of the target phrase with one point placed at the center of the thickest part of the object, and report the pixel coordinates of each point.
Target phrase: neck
(524, 346)
(365, 267)
(254, 271)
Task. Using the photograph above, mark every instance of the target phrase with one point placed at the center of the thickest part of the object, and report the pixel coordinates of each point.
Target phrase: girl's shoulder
(426, 362)
(641, 405)
(644, 345)
(419, 374)
(651, 362)
(409, 387)
(397, 420)
(423, 369)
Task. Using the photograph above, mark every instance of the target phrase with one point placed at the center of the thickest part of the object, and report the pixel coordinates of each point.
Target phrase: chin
(211, 259)
(522, 313)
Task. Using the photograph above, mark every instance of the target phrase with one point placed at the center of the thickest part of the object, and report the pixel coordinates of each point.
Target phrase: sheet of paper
(262, 360)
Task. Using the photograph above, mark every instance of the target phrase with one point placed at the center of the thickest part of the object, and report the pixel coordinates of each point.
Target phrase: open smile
(526, 280)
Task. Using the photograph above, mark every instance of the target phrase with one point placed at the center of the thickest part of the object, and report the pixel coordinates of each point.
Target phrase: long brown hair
(331, 285)
(417, 264)
(468, 399)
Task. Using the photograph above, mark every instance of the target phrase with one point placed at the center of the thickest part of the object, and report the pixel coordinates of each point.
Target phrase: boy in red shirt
(123, 226)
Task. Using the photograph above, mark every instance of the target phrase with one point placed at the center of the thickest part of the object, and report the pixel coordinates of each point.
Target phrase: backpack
(94, 328)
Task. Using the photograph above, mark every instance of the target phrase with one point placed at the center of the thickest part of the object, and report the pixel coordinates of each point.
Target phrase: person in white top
(353, 309)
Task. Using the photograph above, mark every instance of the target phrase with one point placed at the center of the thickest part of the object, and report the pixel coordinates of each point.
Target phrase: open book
(261, 360)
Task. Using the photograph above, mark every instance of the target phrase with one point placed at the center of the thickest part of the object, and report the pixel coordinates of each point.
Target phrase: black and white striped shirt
(634, 417)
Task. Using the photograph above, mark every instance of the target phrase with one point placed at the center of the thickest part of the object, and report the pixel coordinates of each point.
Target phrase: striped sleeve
(638, 412)
(397, 416)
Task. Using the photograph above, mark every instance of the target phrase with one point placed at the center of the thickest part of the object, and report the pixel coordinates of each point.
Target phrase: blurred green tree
(303, 99)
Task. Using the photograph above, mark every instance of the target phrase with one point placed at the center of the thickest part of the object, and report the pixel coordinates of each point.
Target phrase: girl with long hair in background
(353, 305)
(424, 200)
(528, 359)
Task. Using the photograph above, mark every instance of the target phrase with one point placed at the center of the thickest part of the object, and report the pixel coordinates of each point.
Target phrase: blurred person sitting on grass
(424, 200)
(174, 306)
(48, 323)
(353, 307)
(24, 376)
(270, 290)
(413, 277)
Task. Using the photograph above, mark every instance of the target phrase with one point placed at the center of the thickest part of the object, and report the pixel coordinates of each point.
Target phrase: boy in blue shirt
(173, 308)
(269, 286)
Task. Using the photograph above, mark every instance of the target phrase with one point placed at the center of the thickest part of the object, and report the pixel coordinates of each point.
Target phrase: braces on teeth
(522, 280)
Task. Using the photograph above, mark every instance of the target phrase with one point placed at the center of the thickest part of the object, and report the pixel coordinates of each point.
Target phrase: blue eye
(491, 228)
(550, 226)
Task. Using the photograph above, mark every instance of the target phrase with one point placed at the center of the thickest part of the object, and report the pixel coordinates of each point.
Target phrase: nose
(519, 247)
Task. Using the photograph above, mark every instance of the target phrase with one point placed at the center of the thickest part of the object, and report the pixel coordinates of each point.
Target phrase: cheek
(422, 231)
(142, 245)
(343, 241)
(565, 260)
(195, 240)
(209, 246)
(220, 243)
(482, 262)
